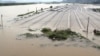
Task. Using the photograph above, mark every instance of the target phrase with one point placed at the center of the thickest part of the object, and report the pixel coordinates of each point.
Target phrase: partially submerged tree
(51, 7)
(41, 9)
(96, 32)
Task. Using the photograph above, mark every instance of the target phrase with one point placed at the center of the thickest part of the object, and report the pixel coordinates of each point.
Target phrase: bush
(96, 32)
(51, 6)
(41, 9)
(96, 10)
(58, 34)
(98, 47)
(46, 30)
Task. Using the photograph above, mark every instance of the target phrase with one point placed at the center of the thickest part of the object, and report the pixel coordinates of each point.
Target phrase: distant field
(9, 4)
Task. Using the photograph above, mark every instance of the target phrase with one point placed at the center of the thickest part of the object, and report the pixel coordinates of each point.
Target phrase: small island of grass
(60, 34)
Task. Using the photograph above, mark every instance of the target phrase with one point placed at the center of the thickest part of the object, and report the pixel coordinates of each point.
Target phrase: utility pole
(2, 21)
(87, 27)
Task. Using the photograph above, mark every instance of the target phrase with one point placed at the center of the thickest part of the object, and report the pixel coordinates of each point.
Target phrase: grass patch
(26, 13)
(60, 34)
(28, 35)
(31, 30)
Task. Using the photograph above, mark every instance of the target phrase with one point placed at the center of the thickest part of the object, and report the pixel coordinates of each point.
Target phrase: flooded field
(10, 45)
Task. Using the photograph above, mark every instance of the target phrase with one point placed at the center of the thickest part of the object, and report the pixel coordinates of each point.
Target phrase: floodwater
(10, 12)
(10, 46)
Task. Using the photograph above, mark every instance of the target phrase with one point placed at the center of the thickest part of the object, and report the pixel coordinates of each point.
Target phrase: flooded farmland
(13, 45)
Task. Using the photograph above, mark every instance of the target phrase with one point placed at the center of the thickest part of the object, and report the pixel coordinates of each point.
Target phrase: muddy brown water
(9, 46)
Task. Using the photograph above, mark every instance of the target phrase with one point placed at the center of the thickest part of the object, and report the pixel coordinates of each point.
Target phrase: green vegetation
(34, 12)
(60, 34)
(98, 47)
(96, 32)
(96, 10)
(51, 6)
(46, 30)
(42, 9)
(26, 13)
(28, 35)
(10, 4)
(31, 30)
